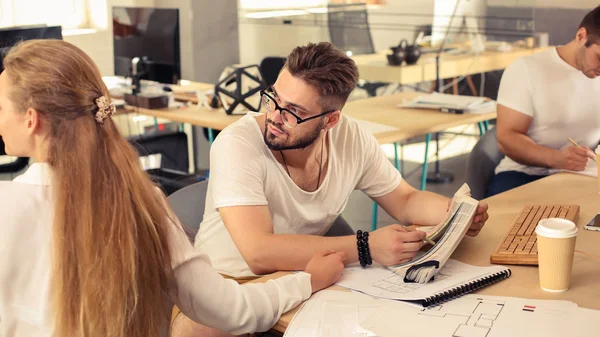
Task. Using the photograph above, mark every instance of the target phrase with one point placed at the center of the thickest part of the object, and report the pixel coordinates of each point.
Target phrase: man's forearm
(425, 208)
(524, 150)
(293, 251)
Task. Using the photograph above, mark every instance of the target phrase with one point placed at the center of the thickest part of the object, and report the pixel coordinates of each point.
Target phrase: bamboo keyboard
(519, 246)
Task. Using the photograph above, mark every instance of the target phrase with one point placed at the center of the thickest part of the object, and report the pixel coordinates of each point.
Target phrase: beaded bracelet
(362, 243)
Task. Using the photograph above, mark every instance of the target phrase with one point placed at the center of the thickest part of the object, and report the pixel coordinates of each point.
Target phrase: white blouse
(26, 217)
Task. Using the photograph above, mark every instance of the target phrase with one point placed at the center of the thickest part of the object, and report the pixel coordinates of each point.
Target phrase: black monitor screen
(11, 36)
(147, 32)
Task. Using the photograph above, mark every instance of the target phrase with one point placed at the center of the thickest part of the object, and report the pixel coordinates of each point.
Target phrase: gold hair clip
(105, 109)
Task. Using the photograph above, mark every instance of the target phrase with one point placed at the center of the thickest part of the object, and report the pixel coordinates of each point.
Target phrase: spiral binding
(465, 288)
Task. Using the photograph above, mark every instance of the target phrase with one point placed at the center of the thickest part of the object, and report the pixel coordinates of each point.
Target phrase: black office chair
(172, 146)
(15, 166)
(174, 164)
(270, 68)
(349, 30)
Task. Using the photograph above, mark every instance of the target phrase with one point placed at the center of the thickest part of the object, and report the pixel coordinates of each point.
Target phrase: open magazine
(447, 235)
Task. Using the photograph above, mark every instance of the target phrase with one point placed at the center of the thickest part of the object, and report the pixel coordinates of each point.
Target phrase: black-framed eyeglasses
(289, 118)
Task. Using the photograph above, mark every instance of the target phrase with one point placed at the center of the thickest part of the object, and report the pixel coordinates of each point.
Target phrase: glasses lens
(268, 103)
(288, 119)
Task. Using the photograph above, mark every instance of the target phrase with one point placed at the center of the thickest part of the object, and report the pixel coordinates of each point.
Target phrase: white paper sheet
(591, 170)
(331, 313)
(485, 316)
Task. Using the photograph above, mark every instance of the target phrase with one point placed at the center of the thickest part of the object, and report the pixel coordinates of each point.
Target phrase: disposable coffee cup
(556, 245)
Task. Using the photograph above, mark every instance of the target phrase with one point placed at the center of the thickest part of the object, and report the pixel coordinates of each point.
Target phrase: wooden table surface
(382, 110)
(563, 188)
(374, 67)
(409, 122)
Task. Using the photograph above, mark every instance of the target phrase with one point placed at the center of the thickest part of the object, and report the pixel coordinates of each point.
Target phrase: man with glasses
(279, 179)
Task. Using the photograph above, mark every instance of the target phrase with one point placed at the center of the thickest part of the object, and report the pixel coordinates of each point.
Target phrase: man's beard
(301, 143)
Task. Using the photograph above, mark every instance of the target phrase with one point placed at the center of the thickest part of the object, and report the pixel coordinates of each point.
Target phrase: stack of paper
(448, 235)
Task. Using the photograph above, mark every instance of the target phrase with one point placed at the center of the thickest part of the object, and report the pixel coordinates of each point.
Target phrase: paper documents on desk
(331, 313)
(378, 281)
(451, 103)
(486, 316)
(447, 236)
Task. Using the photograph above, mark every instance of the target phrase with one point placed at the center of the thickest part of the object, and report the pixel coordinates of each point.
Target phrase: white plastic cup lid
(556, 228)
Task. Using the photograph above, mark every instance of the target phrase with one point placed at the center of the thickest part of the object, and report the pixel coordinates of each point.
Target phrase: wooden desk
(382, 109)
(563, 188)
(195, 115)
(409, 122)
(374, 67)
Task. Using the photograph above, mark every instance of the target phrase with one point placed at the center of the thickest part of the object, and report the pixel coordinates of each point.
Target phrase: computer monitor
(11, 36)
(152, 34)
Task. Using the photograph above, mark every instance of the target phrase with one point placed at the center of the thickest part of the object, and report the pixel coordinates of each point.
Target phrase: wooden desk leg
(486, 124)
(480, 124)
(425, 163)
(471, 85)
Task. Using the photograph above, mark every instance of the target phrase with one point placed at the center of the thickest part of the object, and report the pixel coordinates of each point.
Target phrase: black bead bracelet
(362, 244)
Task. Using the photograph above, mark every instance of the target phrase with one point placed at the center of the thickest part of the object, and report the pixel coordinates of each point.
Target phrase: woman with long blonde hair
(88, 245)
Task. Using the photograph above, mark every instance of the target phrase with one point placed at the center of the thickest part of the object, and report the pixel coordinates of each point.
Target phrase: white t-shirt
(243, 171)
(562, 101)
(26, 206)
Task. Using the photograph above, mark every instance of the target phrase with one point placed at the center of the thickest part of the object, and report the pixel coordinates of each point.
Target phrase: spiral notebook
(453, 280)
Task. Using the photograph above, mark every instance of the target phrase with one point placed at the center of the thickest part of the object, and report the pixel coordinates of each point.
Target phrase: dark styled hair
(326, 68)
(591, 23)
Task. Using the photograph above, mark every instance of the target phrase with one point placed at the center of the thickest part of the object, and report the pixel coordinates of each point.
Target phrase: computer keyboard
(519, 246)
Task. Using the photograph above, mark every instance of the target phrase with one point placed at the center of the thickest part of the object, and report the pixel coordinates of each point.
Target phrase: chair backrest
(483, 160)
(349, 28)
(270, 68)
(188, 205)
(340, 228)
(172, 146)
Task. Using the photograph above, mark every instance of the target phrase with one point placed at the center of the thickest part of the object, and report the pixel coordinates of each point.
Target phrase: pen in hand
(426, 240)
(579, 146)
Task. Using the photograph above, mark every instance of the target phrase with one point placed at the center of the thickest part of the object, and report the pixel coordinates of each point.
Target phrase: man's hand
(481, 216)
(572, 158)
(395, 244)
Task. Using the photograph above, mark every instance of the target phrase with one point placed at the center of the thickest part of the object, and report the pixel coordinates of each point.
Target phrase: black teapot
(412, 51)
(397, 56)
